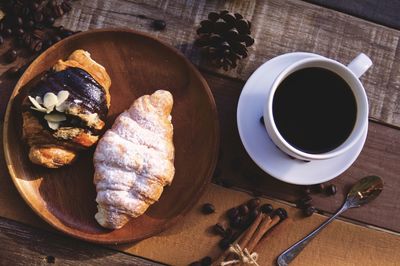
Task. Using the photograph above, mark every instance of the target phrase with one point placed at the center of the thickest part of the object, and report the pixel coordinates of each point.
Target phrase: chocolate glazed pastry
(65, 110)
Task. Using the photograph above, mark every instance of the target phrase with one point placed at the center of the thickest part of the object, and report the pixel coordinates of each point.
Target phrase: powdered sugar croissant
(134, 160)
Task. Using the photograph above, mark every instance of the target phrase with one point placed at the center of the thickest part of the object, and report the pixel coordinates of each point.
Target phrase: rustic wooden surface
(279, 27)
(26, 245)
(384, 12)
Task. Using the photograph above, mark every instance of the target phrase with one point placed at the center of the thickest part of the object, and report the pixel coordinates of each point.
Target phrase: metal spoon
(362, 192)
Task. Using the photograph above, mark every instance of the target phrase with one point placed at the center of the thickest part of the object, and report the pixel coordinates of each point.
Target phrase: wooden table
(365, 236)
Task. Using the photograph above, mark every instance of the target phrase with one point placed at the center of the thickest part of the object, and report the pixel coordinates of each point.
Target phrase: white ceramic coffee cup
(350, 74)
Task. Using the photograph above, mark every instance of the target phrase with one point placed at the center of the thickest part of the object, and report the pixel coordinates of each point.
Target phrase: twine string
(243, 256)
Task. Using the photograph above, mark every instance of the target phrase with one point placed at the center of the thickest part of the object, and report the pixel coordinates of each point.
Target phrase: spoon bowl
(364, 191)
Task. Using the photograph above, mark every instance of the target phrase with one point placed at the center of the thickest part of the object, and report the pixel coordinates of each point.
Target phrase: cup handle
(360, 64)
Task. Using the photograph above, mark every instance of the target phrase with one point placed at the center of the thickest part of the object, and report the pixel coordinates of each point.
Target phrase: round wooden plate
(138, 64)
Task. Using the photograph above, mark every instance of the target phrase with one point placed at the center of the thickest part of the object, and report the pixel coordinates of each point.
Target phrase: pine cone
(223, 38)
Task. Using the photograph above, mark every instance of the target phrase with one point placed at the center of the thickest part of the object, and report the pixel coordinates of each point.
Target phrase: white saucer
(258, 144)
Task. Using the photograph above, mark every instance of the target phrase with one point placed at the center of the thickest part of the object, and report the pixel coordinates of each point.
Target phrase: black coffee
(314, 110)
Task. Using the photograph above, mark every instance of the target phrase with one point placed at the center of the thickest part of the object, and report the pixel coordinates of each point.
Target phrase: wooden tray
(137, 64)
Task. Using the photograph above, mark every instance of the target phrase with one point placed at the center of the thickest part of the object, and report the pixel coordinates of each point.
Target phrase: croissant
(134, 160)
(65, 110)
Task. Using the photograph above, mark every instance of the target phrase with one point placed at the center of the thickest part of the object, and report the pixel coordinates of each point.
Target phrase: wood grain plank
(380, 156)
(278, 26)
(25, 245)
(384, 12)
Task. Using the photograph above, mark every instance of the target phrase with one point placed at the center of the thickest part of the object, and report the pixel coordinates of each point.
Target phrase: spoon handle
(288, 255)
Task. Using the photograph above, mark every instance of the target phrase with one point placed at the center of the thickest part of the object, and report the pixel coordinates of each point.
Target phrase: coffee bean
(195, 263)
(11, 55)
(282, 213)
(20, 32)
(233, 213)
(331, 190)
(38, 46)
(224, 243)
(244, 222)
(8, 32)
(304, 201)
(159, 24)
(318, 188)
(253, 214)
(53, 3)
(30, 24)
(266, 208)
(243, 209)
(253, 203)
(208, 208)
(50, 21)
(219, 229)
(308, 211)
(38, 17)
(236, 222)
(206, 261)
(34, 6)
(213, 16)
